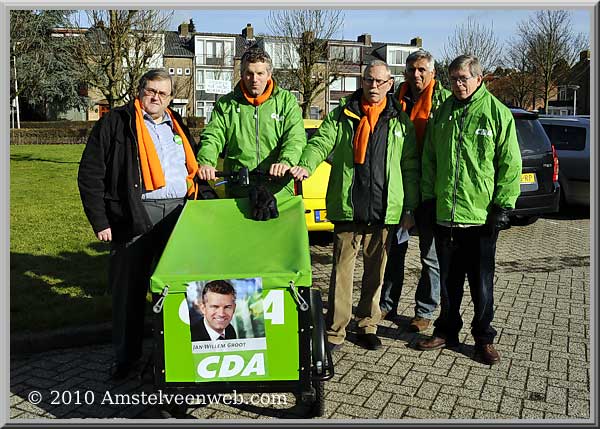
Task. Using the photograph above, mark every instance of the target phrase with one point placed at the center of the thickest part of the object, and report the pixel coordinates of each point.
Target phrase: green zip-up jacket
(335, 136)
(471, 158)
(254, 137)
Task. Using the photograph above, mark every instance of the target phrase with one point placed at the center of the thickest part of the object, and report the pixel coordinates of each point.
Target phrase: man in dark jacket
(373, 185)
(136, 170)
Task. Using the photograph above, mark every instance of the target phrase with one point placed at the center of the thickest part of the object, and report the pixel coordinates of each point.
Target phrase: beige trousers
(348, 239)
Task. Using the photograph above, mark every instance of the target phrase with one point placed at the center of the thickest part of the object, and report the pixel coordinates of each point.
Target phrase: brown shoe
(432, 343)
(419, 324)
(489, 354)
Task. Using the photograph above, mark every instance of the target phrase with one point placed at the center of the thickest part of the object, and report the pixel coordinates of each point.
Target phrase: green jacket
(254, 137)
(471, 158)
(335, 136)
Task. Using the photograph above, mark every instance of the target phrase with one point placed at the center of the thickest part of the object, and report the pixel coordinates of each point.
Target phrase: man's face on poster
(218, 310)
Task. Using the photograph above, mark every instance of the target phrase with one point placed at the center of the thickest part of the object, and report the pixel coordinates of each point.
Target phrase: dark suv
(540, 191)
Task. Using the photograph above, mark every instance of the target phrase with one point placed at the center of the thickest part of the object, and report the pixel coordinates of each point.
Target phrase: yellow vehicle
(314, 188)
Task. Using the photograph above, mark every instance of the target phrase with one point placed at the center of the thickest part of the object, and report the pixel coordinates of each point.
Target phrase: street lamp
(574, 88)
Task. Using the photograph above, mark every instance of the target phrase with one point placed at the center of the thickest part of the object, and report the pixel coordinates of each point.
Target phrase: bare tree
(476, 39)
(305, 34)
(119, 48)
(550, 42)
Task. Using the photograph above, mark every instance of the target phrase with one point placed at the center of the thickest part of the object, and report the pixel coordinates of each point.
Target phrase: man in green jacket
(373, 184)
(258, 125)
(420, 96)
(471, 178)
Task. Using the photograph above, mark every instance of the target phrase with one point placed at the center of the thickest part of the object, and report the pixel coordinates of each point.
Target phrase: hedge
(62, 135)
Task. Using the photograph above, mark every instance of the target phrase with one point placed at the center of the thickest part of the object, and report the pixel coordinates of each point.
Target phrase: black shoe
(120, 371)
(333, 347)
(369, 341)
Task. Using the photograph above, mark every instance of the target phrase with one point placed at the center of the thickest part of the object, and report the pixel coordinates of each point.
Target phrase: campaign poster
(227, 328)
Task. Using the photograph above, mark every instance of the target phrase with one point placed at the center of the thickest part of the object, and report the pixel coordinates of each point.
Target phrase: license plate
(320, 216)
(528, 178)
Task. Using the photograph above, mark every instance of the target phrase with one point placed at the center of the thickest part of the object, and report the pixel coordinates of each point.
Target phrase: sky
(434, 26)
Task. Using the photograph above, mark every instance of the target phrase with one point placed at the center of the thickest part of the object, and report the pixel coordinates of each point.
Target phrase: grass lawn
(58, 269)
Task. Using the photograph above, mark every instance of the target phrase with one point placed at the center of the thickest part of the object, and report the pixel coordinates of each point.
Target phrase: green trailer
(279, 341)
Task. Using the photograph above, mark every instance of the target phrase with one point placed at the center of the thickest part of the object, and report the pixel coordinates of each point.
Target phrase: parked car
(314, 189)
(540, 189)
(570, 136)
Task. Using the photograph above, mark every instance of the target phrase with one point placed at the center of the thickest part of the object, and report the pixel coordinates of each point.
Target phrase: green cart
(279, 343)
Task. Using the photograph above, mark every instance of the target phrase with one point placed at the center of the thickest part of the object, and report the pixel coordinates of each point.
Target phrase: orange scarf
(365, 128)
(419, 115)
(257, 101)
(152, 173)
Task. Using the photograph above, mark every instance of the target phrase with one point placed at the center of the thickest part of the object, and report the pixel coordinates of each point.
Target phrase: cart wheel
(317, 408)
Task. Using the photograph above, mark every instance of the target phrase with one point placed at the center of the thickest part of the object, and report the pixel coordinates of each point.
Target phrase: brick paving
(542, 317)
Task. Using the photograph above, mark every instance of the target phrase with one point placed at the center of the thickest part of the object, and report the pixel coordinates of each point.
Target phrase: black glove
(428, 209)
(498, 218)
(263, 204)
(203, 190)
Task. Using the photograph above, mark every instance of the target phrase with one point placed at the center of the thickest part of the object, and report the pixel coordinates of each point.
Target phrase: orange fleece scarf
(365, 128)
(257, 101)
(152, 173)
(419, 115)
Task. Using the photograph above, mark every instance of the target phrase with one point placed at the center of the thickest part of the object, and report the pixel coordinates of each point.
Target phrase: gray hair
(256, 55)
(377, 63)
(154, 74)
(469, 62)
(421, 54)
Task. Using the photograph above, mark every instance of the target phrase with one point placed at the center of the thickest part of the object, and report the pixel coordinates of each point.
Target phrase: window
(179, 71)
(315, 112)
(171, 71)
(566, 137)
(297, 95)
(188, 71)
(282, 55)
(397, 56)
(202, 75)
(219, 52)
(345, 53)
(344, 83)
(204, 109)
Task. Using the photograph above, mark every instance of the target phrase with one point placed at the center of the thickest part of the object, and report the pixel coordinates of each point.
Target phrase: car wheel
(523, 220)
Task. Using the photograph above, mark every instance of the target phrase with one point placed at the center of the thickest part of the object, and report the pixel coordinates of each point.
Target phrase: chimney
(365, 39)
(584, 55)
(184, 29)
(248, 32)
(417, 41)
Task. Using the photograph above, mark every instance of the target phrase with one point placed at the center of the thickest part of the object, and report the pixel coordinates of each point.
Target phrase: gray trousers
(130, 266)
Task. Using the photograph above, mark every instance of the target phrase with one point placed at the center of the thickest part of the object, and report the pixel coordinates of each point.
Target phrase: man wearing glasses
(136, 170)
(471, 177)
(373, 185)
(420, 96)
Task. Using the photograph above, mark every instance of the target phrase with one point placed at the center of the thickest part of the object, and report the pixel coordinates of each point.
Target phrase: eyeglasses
(462, 80)
(378, 82)
(150, 92)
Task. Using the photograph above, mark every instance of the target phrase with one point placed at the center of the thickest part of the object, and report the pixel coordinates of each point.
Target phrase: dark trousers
(467, 251)
(130, 266)
(427, 294)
